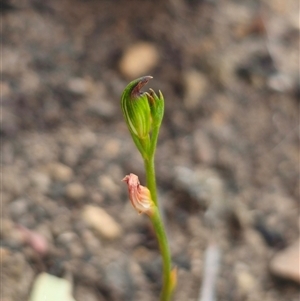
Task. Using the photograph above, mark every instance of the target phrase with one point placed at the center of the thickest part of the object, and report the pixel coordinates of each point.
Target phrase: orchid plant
(143, 113)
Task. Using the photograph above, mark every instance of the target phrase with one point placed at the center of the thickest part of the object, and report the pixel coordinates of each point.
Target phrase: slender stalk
(160, 232)
(165, 253)
(151, 179)
(154, 137)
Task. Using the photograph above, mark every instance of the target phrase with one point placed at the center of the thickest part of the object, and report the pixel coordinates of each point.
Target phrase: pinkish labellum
(140, 196)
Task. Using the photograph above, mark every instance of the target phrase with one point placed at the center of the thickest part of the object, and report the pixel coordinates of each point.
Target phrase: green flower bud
(143, 114)
(136, 109)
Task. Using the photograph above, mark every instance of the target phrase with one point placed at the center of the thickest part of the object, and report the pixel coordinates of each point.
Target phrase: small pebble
(108, 185)
(80, 86)
(50, 287)
(88, 138)
(204, 149)
(18, 207)
(91, 242)
(286, 263)
(71, 155)
(139, 59)
(40, 181)
(60, 172)
(280, 82)
(196, 85)
(101, 108)
(77, 250)
(112, 148)
(246, 282)
(66, 238)
(98, 219)
(75, 191)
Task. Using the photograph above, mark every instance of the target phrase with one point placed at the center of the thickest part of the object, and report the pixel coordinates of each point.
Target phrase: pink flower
(140, 196)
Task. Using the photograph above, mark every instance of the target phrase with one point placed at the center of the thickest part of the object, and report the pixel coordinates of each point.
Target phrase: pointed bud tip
(141, 82)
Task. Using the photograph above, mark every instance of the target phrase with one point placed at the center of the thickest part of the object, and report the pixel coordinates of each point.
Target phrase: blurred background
(227, 158)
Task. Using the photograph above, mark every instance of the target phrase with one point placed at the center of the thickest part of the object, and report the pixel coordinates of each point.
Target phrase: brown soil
(227, 159)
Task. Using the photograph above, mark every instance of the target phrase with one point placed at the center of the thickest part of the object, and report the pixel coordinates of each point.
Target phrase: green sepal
(137, 113)
(157, 106)
(157, 114)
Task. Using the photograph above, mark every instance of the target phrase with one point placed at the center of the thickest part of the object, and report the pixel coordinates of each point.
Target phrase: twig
(210, 273)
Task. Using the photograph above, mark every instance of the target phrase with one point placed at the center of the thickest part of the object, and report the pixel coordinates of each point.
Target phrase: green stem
(154, 137)
(160, 231)
(165, 253)
(150, 177)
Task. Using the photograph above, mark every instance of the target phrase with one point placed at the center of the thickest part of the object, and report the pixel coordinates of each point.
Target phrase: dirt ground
(227, 158)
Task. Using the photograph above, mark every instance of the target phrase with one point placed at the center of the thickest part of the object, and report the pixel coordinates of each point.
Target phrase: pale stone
(60, 172)
(67, 238)
(88, 138)
(75, 191)
(280, 82)
(109, 185)
(54, 288)
(195, 86)
(204, 149)
(80, 86)
(41, 181)
(286, 264)
(98, 219)
(246, 282)
(18, 207)
(91, 242)
(139, 59)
